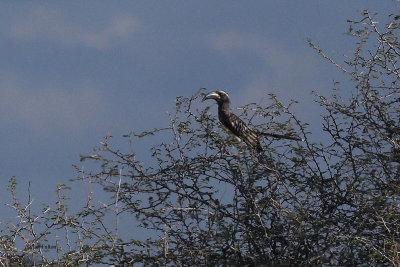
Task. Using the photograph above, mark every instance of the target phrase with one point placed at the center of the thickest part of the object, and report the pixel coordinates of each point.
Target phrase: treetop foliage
(209, 201)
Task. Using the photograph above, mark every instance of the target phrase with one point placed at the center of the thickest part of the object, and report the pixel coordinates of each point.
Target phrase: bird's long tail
(282, 136)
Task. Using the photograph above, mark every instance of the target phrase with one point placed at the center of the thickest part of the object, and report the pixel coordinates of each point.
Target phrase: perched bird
(236, 126)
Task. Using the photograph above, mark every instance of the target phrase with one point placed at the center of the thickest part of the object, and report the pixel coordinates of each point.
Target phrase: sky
(71, 72)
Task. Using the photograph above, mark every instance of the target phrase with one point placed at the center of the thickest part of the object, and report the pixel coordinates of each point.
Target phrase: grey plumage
(236, 126)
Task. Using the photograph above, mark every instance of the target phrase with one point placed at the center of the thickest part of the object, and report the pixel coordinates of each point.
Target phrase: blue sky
(70, 72)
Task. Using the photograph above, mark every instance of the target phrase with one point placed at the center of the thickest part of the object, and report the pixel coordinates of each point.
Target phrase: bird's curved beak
(212, 95)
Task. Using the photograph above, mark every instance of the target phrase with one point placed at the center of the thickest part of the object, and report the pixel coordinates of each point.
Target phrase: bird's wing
(241, 130)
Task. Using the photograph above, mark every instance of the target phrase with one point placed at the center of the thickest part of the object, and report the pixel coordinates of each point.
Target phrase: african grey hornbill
(236, 126)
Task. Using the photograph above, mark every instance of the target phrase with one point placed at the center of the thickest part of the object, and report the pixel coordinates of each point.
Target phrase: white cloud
(47, 110)
(284, 71)
(273, 53)
(48, 24)
(289, 73)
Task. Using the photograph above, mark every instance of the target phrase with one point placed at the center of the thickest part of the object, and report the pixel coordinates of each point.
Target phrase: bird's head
(220, 96)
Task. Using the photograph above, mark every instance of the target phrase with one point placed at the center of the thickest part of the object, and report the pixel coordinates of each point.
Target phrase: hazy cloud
(285, 72)
(47, 24)
(272, 53)
(48, 109)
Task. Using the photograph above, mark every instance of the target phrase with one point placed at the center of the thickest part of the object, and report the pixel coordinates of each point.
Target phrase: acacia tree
(363, 162)
(207, 201)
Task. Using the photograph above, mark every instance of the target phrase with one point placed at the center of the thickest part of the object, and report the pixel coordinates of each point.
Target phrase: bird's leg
(263, 160)
(224, 150)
